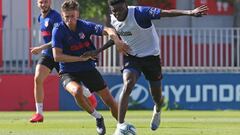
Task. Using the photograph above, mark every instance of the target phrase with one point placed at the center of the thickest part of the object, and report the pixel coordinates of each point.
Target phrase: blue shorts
(150, 66)
(48, 62)
(91, 79)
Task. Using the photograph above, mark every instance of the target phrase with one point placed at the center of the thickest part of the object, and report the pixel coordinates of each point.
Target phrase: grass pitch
(80, 123)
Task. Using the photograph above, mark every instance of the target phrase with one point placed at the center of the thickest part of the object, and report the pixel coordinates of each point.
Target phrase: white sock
(96, 115)
(86, 91)
(155, 109)
(39, 108)
(121, 124)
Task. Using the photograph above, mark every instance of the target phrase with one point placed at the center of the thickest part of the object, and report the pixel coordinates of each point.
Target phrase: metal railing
(182, 50)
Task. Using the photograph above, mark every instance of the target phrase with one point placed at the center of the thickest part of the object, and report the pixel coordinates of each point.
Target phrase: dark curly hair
(113, 2)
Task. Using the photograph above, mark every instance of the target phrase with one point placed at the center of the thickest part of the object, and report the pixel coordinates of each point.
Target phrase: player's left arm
(94, 53)
(197, 12)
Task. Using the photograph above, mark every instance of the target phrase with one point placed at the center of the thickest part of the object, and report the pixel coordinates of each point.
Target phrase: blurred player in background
(70, 40)
(135, 27)
(47, 19)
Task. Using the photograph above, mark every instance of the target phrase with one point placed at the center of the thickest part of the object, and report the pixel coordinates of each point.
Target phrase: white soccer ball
(127, 130)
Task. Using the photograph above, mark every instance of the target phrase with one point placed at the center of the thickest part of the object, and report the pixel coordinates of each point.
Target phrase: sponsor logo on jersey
(124, 33)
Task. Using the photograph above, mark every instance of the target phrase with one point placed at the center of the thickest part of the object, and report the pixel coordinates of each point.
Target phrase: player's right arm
(59, 56)
(36, 50)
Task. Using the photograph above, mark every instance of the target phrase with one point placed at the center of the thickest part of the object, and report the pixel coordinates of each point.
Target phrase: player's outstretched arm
(197, 12)
(94, 53)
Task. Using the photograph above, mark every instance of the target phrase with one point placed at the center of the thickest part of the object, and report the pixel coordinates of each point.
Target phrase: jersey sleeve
(57, 19)
(39, 18)
(150, 12)
(57, 37)
(94, 29)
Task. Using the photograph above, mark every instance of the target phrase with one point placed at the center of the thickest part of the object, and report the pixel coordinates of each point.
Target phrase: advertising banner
(17, 93)
(181, 91)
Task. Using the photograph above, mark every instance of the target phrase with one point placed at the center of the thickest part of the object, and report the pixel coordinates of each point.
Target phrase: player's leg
(130, 74)
(130, 77)
(94, 81)
(41, 73)
(153, 73)
(156, 91)
(91, 97)
(77, 92)
(108, 100)
(71, 85)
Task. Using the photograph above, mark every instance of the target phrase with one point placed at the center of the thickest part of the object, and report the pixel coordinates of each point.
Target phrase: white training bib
(143, 42)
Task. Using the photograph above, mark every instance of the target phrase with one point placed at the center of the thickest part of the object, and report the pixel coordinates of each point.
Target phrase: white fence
(182, 50)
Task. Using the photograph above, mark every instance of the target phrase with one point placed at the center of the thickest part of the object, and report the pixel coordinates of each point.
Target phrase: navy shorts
(150, 66)
(91, 79)
(48, 62)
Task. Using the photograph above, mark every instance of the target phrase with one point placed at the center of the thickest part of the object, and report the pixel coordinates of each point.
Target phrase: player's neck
(73, 27)
(44, 14)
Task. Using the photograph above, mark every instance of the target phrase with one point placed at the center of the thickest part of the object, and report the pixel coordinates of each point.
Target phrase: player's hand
(35, 50)
(199, 11)
(92, 53)
(89, 55)
(122, 47)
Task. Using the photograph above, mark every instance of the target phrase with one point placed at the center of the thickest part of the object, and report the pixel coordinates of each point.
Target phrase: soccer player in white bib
(135, 27)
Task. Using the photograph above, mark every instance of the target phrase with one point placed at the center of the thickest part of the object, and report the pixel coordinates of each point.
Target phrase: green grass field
(80, 123)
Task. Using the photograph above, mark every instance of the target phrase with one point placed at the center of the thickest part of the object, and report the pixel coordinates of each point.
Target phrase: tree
(97, 10)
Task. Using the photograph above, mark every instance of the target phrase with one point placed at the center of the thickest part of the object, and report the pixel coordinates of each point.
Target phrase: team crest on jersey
(46, 22)
(153, 11)
(81, 35)
(97, 28)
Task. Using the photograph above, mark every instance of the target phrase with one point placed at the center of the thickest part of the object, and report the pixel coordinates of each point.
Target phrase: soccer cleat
(101, 130)
(93, 100)
(36, 118)
(156, 119)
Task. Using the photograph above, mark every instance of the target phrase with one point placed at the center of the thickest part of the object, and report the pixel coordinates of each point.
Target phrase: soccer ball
(127, 130)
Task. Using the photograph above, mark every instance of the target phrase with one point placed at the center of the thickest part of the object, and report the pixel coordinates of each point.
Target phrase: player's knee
(76, 91)
(38, 79)
(129, 83)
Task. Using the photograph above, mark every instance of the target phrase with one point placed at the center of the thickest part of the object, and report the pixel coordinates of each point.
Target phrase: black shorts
(48, 62)
(149, 65)
(91, 79)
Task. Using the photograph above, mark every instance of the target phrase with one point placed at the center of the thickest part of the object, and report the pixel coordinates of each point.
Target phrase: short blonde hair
(70, 5)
